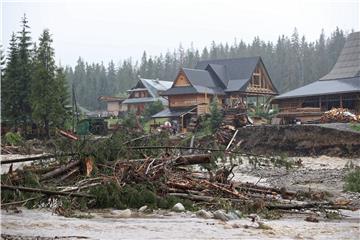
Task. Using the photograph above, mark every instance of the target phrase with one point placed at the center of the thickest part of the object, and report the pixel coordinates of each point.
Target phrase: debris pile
(169, 174)
(339, 115)
(236, 116)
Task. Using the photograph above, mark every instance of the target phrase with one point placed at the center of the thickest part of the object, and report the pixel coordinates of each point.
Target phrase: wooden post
(341, 101)
(182, 123)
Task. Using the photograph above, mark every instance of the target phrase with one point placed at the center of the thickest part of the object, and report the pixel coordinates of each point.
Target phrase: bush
(12, 138)
(352, 181)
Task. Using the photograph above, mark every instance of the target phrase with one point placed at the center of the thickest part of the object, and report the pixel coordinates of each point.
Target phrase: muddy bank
(300, 140)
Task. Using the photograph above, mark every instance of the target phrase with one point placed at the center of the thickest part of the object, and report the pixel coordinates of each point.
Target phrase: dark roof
(180, 90)
(348, 63)
(199, 77)
(171, 113)
(192, 90)
(324, 87)
(201, 82)
(219, 76)
(219, 72)
(236, 68)
(237, 85)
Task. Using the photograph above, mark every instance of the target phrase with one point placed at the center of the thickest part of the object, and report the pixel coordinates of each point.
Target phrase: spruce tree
(48, 91)
(10, 86)
(24, 74)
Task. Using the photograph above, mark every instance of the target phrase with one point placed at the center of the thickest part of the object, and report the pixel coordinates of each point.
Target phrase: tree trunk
(47, 130)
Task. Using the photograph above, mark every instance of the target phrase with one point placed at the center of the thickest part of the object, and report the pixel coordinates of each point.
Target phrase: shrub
(12, 138)
(352, 181)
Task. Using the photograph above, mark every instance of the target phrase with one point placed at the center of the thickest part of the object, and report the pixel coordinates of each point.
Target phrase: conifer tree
(24, 74)
(10, 86)
(48, 91)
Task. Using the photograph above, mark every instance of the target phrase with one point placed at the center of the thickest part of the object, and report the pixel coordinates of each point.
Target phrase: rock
(123, 213)
(239, 213)
(204, 214)
(143, 208)
(232, 216)
(220, 214)
(178, 207)
(311, 219)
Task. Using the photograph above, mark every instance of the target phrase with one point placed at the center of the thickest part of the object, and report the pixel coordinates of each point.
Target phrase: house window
(256, 80)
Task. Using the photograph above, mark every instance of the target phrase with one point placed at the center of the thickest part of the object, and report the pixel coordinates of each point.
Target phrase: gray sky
(101, 30)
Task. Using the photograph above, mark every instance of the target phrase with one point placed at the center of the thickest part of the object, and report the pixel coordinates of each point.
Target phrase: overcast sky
(101, 30)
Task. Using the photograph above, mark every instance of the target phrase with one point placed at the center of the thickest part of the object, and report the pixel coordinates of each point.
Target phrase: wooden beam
(43, 191)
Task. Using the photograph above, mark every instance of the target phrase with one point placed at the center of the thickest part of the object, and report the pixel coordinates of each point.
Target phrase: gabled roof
(348, 63)
(199, 77)
(155, 86)
(201, 82)
(236, 68)
(324, 87)
(219, 76)
(219, 72)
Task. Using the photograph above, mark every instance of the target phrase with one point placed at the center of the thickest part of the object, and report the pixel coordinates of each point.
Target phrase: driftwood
(60, 170)
(69, 174)
(44, 191)
(192, 159)
(28, 159)
(181, 160)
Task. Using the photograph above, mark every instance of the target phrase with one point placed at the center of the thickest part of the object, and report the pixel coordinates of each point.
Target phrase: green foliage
(215, 115)
(12, 138)
(48, 92)
(129, 120)
(352, 181)
(153, 108)
(210, 123)
(133, 196)
(355, 126)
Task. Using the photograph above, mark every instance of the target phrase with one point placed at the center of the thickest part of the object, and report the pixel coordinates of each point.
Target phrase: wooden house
(230, 81)
(340, 88)
(114, 105)
(145, 92)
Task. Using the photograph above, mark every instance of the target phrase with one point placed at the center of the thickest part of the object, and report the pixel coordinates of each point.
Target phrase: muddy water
(178, 226)
(186, 226)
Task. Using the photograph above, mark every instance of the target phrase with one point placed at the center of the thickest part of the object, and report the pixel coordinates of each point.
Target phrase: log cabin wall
(191, 100)
(181, 80)
(324, 102)
(139, 94)
(260, 82)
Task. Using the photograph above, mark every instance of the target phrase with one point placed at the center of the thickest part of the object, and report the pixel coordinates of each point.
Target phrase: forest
(292, 61)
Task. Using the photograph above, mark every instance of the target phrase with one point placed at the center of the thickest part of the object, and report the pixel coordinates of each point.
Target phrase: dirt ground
(333, 139)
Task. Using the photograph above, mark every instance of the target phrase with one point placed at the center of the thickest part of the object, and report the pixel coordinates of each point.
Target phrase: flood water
(177, 226)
